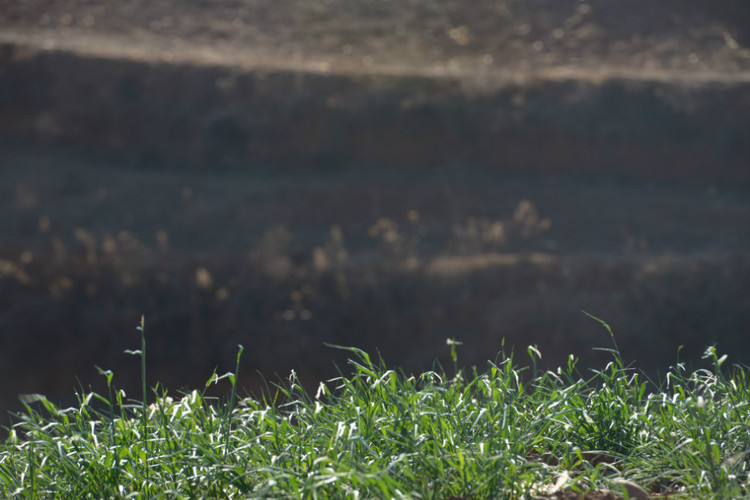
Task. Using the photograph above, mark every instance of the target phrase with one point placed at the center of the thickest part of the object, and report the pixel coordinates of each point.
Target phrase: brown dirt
(672, 39)
(568, 495)
(399, 263)
(284, 173)
(572, 495)
(657, 91)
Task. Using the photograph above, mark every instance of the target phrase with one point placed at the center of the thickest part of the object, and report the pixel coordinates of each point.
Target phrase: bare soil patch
(383, 261)
(674, 38)
(638, 89)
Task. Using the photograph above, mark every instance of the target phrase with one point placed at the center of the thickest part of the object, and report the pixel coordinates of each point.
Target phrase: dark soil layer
(381, 174)
(379, 259)
(208, 117)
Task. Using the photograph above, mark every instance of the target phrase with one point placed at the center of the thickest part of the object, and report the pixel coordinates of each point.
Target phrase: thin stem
(233, 379)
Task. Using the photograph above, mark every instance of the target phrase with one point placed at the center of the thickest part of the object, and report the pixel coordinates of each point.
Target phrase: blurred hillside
(381, 174)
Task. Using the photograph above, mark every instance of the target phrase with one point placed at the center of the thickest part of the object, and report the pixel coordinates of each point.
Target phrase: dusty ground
(640, 89)
(384, 261)
(391, 174)
(672, 39)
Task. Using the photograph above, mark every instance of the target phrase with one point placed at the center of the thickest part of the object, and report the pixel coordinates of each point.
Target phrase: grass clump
(377, 433)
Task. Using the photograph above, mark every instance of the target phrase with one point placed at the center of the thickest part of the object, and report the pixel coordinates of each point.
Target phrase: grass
(506, 432)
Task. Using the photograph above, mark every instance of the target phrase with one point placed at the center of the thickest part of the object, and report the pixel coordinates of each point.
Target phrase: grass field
(505, 432)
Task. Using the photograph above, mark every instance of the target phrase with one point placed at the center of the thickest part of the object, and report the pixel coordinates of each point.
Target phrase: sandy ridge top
(486, 41)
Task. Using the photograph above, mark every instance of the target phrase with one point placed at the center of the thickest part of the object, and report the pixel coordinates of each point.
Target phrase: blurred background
(381, 174)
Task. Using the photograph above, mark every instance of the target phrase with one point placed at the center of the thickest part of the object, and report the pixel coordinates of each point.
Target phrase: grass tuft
(378, 433)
